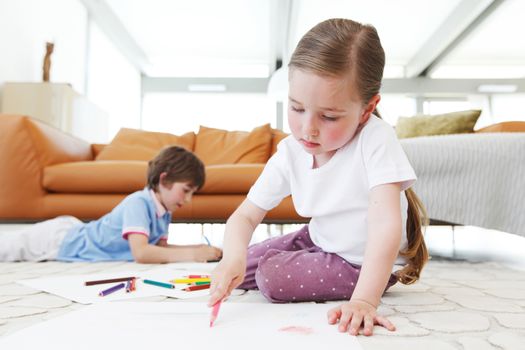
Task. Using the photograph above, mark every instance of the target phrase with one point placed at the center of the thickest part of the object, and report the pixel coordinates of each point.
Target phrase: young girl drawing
(136, 229)
(344, 168)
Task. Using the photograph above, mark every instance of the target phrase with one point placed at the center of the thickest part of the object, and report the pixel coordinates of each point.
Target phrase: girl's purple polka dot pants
(291, 268)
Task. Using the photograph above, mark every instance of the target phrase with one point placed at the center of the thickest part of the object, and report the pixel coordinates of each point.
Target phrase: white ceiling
(244, 38)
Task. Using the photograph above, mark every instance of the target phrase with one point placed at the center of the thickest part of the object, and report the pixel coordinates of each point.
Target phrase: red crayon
(192, 288)
(198, 276)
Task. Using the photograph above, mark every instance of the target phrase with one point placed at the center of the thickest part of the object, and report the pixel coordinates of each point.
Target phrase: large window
(438, 106)
(393, 106)
(178, 113)
(508, 107)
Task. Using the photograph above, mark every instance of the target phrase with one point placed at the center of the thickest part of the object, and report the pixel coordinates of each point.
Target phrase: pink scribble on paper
(297, 329)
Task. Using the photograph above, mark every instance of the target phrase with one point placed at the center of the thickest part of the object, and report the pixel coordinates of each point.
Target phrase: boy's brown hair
(179, 164)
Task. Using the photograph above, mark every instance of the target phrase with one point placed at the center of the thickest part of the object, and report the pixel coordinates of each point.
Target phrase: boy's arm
(163, 243)
(146, 253)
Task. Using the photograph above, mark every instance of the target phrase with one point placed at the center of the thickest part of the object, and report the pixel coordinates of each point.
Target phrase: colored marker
(159, 284)
(111, 280)
(190, 280)
(215, 312)
(111, 290)
(133, 284)
(193, 288)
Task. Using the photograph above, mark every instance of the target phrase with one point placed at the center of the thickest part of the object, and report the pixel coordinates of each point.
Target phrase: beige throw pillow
(439, 124)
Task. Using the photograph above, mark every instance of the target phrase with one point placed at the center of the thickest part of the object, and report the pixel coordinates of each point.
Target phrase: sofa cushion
(96, 148)
(129, 176)
(440, 124)
(217, 146)
(231, 178)
(515, 126)
(277, 136)
(133, 144)
(96, 177)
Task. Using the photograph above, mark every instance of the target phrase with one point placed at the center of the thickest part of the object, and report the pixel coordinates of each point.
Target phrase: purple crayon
(111, 290)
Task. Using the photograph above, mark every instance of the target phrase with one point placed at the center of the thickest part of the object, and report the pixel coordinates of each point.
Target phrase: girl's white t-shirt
(335, 196)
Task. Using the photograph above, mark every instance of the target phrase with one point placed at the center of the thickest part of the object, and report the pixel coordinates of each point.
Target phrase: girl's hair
(416, 252)
(179, 164)
(341, 47)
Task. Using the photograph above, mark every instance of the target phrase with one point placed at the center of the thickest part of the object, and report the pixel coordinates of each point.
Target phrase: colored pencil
(215, 312)
(198, 276)
(105, 292)
(199, 283)
(159, 284)
(130, 285)
(206, 239)
(111, 280)
(190, 280)
(193, 288)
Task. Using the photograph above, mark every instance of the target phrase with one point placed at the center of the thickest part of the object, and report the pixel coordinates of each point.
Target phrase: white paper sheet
(73, 288)
(167, 325)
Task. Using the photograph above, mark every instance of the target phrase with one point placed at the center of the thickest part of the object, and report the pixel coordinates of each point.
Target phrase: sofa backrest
(213, 146)
(217, 146)
(134, 144)
(277, 136)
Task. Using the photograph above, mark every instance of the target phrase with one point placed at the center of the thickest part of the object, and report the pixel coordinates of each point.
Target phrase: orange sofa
(45, 172)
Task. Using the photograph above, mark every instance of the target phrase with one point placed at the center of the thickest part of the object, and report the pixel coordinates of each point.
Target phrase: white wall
(26, 25)
(114, 84)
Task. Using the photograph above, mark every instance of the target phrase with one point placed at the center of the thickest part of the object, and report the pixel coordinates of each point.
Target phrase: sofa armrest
(26, 147)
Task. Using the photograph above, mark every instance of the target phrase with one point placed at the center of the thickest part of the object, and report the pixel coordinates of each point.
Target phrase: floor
(471, 294)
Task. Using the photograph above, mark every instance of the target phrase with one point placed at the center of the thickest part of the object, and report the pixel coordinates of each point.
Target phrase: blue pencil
(159, 284)
(111, 290)
(206, 239)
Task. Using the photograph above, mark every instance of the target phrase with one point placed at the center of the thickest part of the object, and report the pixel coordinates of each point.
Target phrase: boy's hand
(205, 253)
(353, 314)
(227, 275)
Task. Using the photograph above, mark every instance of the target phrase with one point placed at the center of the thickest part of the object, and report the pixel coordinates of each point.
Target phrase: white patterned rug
(456, 305)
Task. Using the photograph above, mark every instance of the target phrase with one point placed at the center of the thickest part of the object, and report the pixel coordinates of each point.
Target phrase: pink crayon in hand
(215, 312)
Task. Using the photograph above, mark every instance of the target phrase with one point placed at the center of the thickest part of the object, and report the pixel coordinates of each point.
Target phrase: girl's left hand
(353, 314)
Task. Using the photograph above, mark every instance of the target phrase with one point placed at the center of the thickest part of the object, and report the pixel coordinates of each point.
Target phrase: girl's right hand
(228, 274)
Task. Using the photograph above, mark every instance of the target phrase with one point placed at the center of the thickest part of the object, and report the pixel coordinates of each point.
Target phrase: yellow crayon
(190, 280)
